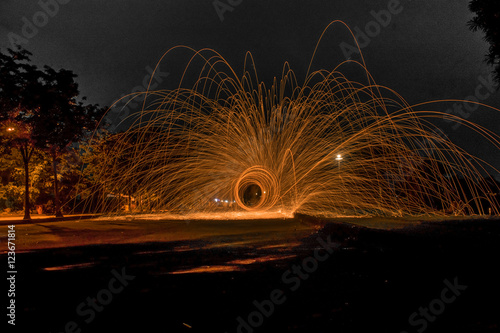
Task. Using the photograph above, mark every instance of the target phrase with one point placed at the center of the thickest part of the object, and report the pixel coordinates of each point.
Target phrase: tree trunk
(129, 202)
(26, 159)
(57, 205)
(103, 198)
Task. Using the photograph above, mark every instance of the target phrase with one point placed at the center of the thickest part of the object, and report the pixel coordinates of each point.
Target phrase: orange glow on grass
(68, 267)
(206, 269)
(259, 260)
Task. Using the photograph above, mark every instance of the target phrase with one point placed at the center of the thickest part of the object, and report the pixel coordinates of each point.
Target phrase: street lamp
(339, 158)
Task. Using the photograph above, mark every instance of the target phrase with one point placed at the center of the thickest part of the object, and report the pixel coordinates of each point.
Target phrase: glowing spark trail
(329, 146)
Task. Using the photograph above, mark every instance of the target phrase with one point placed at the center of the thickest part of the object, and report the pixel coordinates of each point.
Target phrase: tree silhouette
(487, 19)
(39, 110)
(20, 90)
(62, 120)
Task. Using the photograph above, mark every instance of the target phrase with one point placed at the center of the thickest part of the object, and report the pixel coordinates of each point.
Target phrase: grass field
(205, 276)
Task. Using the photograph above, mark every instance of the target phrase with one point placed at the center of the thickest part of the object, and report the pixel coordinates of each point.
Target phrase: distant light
(11, 129)
(339, 157)
(216, 200)
(227, 201)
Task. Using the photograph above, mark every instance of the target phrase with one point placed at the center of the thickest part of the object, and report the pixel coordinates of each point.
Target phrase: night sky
(426, 51)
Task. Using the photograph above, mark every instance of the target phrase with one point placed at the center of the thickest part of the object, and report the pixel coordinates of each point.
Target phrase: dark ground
(372, 282)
